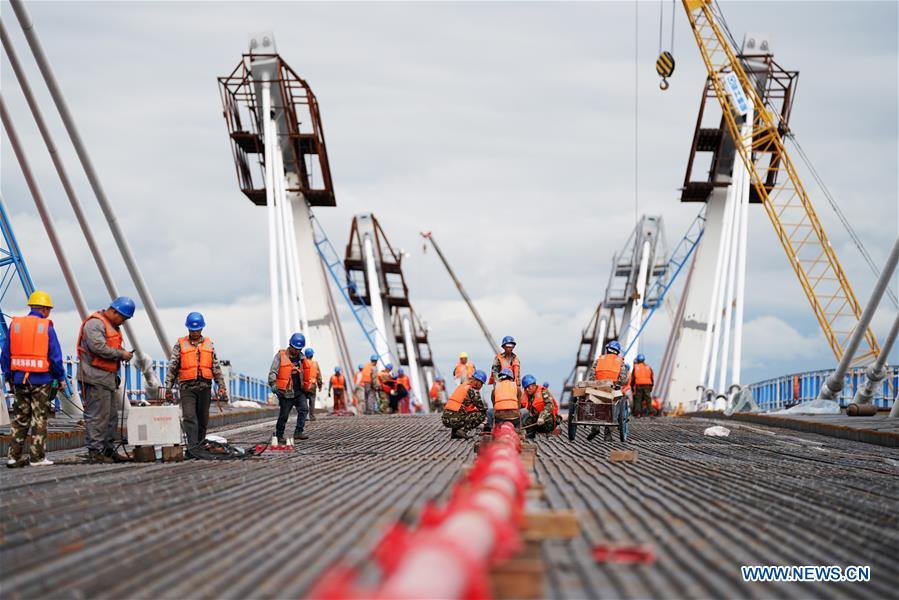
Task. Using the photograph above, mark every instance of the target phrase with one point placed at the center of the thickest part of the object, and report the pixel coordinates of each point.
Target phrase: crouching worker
(542, 410)
(465, 410)
(285, 378)
(506, 401)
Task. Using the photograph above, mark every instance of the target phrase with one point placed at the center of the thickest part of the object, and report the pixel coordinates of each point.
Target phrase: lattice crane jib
(779, 187)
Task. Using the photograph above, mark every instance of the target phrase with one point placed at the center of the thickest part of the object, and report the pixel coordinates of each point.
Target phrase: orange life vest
(656, 404)
(29, 344)
(385, 380)
(286, 369)
(357, 378)
(434, 392)
(457, 399)
(466, 370)
(404, 381)
(608, 366)
(196, 361)
(310, 374)
(337, 381)
(537, 401)
(505, 395)
(642, 374)
(367, 372)
(113, 340)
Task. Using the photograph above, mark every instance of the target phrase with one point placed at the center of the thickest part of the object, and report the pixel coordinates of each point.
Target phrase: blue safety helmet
(297, 341)
(195, 322)
(389, 366)
(337, 370)
(309, 352)
(479, 375)
(375, 358)
(614, 347)
(438, 378)
(506, 373)
(359, 366)
(528, 380)
(640, 358)
(546, 384)
(400, 371)
(508, 340)
(124, 306)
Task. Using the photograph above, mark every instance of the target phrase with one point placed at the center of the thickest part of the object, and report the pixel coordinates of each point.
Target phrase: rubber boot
(594, 431)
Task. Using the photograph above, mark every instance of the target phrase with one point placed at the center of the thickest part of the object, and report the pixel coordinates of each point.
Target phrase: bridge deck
(267, 527)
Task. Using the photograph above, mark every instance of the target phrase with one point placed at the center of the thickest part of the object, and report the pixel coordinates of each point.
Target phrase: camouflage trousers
(371, 401)
(463, 419)
(383, 402)
(32, 408)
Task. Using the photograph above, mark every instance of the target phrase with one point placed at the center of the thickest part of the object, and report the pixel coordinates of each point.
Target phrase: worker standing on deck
(194, 364)
(337, 389)
(358, 390)
(100, 353)
(506, 399)
(285, 378)
(385, 388)
(312, 377)
(370, 385)
(401, 392)
(32, 364)
(507, 359)
(465, 410)
(542, 411)
(464, 369)
(642, 380)
(436, 393)
(611, 369)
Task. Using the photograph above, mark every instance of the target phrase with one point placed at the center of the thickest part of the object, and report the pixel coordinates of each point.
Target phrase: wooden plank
(172, 453)
(550, 525)
(623, 455)
(519, 577)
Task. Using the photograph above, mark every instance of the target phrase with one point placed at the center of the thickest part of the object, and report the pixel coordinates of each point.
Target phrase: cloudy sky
(511, 130)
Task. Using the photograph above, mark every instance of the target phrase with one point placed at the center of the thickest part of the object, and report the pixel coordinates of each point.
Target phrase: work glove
(273, 388)
(169, 396)
(541, 420)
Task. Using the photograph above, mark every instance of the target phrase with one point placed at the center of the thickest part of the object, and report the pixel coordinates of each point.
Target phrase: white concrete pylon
(270, 214)
(740, 293)
(739, 175)
(414, 372)
(374, 294)
(636, 320)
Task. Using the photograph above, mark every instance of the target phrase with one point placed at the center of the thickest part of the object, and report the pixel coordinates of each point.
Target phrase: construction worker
(337, 389)
(641, 382)
(370, 385)
(100, 353)
(465, 410)
(506, 360)
(506, 399)
(194, 364)
(312, 377)
(401, 392)
(386, 384)
(285, 378)
(464, 369)
(31, 362)
(610, 369)
(358, 390)
(542, 410)
(436, 394)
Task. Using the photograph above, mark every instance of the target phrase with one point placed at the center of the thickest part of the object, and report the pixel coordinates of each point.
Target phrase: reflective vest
(434, 391)
(357, 378)
(537, 402)
(113, 340)
(195, 361)
(310, 374)
(457, 400)
(463, 370)
(385, 379)
(286, 369)
(505, 395)
(337, 381)
(642, 374)
(608, 366)
(367, 372)
(404, 381)
(29, 344)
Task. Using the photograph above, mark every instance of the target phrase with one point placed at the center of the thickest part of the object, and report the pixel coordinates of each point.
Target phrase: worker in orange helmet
(464, 369)
(337, 389)
(507, 359)
(33, 369)
(642, 380)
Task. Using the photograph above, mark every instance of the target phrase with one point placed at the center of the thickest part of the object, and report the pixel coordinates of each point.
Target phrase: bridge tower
(278, 144)
(375, 273)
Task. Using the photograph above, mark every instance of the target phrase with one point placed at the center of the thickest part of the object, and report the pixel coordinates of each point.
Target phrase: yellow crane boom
(781, 191)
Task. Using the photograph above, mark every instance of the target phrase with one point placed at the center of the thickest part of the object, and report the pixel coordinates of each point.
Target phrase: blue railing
(788, 390)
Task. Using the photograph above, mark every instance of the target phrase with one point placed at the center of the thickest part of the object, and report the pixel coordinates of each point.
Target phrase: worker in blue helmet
(312, 377)
(505, 400)
(542, 412)
(437, 394)
(608, 369)
(100, 354)
(369, 380)
(386, 385)
(285, 379)
(641, 382)
(193, 364)
(465, 410)
(337, 389)
(402, 388)
(507, 359)
(358, 389)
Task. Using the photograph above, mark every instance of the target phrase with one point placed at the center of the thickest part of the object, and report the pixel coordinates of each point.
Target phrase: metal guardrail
(789, 390)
